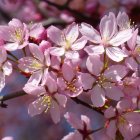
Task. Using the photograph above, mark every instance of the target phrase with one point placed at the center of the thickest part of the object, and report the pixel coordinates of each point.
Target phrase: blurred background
(14, 120)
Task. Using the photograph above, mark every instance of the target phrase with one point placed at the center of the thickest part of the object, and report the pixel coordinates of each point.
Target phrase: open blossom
(48, 99)
(8, 138)
(38, 65)
(122, 119)
(69, 83)
(102, 82)
(83, 128)
(15, 35)
(67, 41)
(108, 40)
(5, 68)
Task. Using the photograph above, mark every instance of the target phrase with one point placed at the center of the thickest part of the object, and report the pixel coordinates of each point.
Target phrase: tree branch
(79, 16)
(78, 101)
(22, 93)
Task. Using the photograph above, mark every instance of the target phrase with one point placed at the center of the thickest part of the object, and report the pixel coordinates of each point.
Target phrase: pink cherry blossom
(67, 41)
(5, 68)
(102, 82)
(122, 119)
(48, 99)
(8, 138)
(69, 83)
(37, 65)
(82, 126)
(15, 35)
(109, 40)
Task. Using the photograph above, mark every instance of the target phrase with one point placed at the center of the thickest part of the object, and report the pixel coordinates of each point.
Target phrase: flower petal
(37, 53)
(11, 46)
(116, 54)
(94, 50)
(79, 44)
(2, 81)
(72, 55)
(56, 35)
(68, 72)
(3, 55)
(97, 96)
(7, 68)
(91, 34)
(94, 64)
(108, 26)
(55, 112)
(115, 73)
(121, 37)
(57, 51)
(87, 80)
(71, 32)
(113, 92)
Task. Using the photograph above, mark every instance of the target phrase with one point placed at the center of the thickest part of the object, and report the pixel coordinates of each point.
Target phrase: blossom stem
(12, 55)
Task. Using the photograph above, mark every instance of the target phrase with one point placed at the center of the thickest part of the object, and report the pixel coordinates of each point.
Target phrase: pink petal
(91, 34)
(115, 53)
(94, 64)
(55, 112)
(108, 26)
(61, 83)
(110, 112)
(87, 80)
(123, 20)
(15, 23)
(113, 92)
(62, 99)
(97, 96)
(47, 58)
(115, 72)
(35, 78)
(2, 81)
(7, 68)
(51, 83)
(73, 120)
(56, 35)
(34, 90)
(111, 129)
(57, 51)
(29, 64)
(79, 44)
(132, 42)
(72, 55)
(11, 46)
(121, 37)
(131, 63)
(3, 55)
(37, 107)
(72, 32)
(36, 52)
(68, 72)
(94, 50)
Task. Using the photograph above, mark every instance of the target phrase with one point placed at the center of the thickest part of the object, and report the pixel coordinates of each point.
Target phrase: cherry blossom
(15, 35)
(109, 40)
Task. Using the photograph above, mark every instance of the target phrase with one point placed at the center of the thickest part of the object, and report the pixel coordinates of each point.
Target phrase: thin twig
(78, 101)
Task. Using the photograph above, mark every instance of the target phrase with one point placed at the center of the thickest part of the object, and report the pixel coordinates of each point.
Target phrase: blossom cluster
(62, 64)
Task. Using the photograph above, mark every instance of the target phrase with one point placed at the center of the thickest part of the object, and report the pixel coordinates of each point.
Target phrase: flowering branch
(22, 93)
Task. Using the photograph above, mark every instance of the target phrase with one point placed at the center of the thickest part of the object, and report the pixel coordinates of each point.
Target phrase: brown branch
(80, 17)
(78, 101)
(22, 93)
